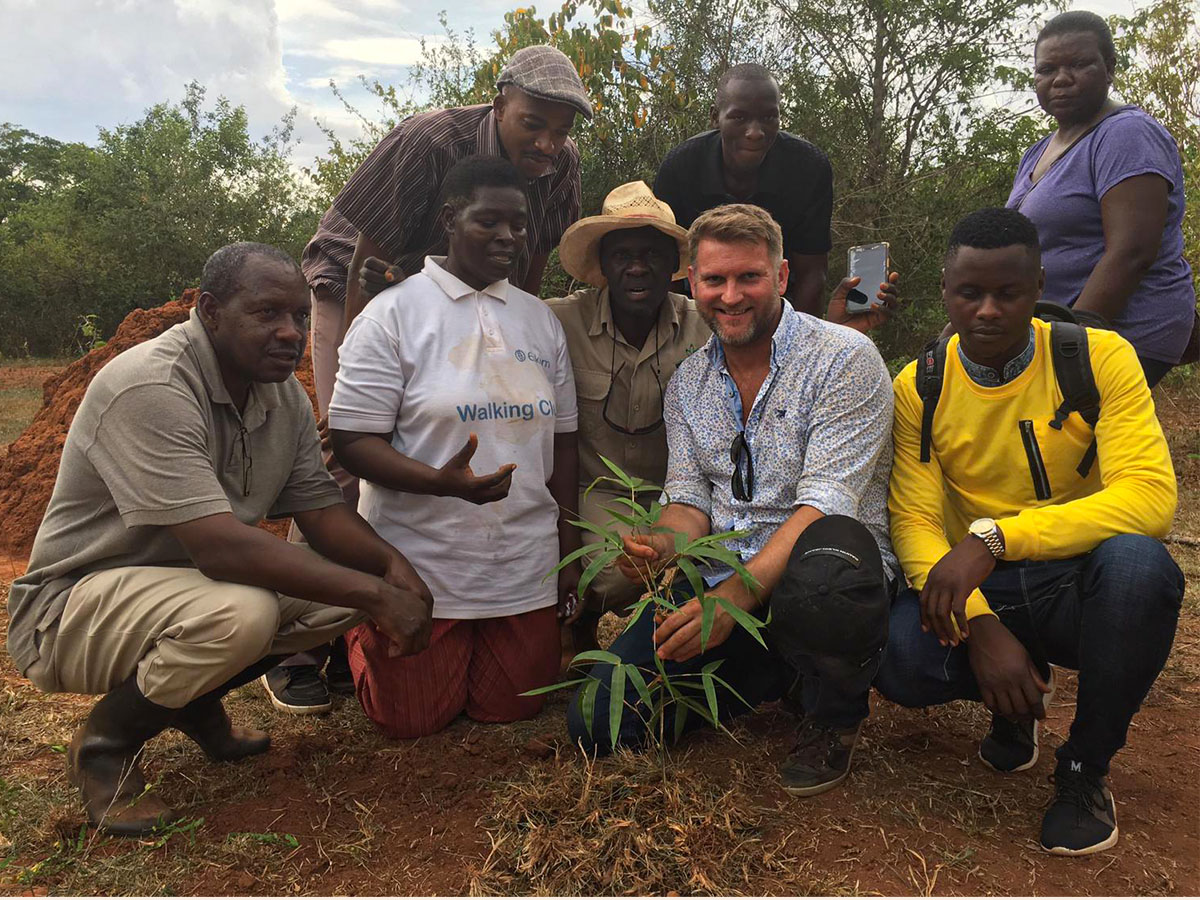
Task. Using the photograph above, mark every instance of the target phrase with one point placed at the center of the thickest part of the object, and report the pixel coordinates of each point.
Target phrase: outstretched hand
(376, 275)
(457, 479)
(873, 318)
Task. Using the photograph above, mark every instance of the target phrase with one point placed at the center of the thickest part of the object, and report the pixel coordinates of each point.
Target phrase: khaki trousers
(181, 632)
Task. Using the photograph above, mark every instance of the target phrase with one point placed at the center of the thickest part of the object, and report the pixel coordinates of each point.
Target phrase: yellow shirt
(980, 466)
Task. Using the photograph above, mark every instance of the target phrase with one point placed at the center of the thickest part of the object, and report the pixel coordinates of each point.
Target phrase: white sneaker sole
(1105, 844)
(293, 710)
(1046, 698)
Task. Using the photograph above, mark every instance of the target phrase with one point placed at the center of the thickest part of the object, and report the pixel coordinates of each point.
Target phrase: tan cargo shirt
(601, 357)
(157, 441)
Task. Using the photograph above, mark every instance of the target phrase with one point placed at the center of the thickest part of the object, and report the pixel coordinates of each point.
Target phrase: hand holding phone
(870, 264)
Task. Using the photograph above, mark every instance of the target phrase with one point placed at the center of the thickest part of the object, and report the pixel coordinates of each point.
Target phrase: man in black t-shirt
(747, 159)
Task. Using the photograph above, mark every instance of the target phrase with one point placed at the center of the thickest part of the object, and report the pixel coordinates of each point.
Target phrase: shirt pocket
(591, 389)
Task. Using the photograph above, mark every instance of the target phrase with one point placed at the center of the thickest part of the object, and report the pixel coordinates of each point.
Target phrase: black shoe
(338, 676)
(298, 690)
(820, 760)
(1083, 818)
(1012, 745)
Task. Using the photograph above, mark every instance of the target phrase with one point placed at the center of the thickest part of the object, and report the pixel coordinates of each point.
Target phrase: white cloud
(375, 51)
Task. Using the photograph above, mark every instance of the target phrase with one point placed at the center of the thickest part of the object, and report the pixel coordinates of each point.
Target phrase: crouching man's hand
(1008, 678)
(402, 612)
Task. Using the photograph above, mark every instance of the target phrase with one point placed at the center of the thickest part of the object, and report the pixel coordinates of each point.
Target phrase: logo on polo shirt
(500, 411)
(531, 356)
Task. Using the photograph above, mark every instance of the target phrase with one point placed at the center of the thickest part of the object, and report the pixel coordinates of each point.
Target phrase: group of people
(993, 511)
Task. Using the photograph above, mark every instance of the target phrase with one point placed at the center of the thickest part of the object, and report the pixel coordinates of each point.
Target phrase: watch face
(982, 526)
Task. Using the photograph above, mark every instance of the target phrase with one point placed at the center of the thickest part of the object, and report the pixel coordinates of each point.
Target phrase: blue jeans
(832, 691)
(1110, 614)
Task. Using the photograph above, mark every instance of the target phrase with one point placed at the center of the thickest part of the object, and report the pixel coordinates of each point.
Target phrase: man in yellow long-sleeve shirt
(1016, 560)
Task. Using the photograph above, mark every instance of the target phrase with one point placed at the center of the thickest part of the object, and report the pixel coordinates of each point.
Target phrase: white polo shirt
(430, 361)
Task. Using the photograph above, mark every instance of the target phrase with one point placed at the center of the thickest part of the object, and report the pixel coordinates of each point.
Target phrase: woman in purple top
(1106, 193)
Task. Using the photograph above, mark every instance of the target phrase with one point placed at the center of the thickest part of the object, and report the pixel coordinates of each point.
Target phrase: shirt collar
(771, 174)
(602, 321)
(456, 288)
(986, 376)
(262, 397)
(790, 325)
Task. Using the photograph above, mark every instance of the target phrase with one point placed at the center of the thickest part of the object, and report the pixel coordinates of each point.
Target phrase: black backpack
(1072, 369)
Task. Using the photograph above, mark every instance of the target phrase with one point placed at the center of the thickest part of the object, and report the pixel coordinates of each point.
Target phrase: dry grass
(615, 827)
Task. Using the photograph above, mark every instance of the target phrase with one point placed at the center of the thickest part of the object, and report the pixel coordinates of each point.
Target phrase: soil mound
(28, 472)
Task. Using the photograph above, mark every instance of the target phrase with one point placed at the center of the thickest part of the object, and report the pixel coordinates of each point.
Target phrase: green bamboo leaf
(587, 703)
(597, 656)
(688, 568)
(708, 609)
(680, 717)
(616, 703)
(625, 480)
(632, 505)
(631, 521)
(655, 511)
(594, 567)
(607, 534)
(639, 684)
(571, 557)
(743, 618)
(553, 687)
(700, 710)
(729, 687)
(710, 694)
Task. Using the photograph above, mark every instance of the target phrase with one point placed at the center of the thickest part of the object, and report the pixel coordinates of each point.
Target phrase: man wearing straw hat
(626, 334)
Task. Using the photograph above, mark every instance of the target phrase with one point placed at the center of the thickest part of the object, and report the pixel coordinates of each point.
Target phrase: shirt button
(636, 408)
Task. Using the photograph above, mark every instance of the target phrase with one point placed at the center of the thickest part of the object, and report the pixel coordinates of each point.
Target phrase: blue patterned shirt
(986, 376)
(820, 435)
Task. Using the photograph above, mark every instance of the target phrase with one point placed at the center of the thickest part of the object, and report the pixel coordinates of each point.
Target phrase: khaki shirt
(156, 442)
(601, 358)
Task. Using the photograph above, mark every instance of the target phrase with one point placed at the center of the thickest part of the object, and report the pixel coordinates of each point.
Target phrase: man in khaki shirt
(148, 582)
(626, 335)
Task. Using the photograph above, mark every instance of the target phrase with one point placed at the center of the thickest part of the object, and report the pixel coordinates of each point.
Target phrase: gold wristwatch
(988, 532)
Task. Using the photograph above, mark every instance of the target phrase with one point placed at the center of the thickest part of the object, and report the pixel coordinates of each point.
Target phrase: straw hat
(631, 205)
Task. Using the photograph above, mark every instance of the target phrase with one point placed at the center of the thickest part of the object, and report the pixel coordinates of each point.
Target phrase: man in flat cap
(626, 334)
(389, 210)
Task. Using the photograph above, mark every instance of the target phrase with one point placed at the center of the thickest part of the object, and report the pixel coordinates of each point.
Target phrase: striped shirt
(392, 197)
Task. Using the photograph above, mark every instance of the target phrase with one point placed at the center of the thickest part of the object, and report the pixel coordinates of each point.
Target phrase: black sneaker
(298, 690)
(338, 676)
(820, 760)
(1012, 745)
(1083, 818)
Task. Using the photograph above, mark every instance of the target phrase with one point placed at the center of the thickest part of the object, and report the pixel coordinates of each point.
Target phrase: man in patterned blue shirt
(780, 429)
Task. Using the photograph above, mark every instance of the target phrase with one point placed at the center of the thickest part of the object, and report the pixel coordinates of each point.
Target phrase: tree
(130, 222)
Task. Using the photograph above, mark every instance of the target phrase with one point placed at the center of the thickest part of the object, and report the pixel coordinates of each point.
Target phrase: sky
(70, 66)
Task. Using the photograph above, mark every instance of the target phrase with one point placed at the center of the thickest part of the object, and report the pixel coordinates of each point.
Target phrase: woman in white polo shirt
(456, 371)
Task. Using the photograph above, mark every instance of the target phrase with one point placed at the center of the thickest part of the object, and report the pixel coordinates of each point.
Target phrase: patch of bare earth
(336, 809)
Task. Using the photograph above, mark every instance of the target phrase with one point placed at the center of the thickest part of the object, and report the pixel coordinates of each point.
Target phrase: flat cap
(545, 72)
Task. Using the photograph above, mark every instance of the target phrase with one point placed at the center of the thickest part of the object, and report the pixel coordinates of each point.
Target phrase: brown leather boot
(102, 761)
(205, 721)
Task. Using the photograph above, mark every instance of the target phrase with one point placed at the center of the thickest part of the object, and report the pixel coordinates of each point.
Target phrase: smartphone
(870, 263)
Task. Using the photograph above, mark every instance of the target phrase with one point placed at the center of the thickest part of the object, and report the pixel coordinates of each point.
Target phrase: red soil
(28, 472)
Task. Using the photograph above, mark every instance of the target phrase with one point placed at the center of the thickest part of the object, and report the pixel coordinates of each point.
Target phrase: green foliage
(660, 694)
(98, 231)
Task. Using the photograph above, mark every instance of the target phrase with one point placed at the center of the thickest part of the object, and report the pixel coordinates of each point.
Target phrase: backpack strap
(1073, 370)
(931, 371)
